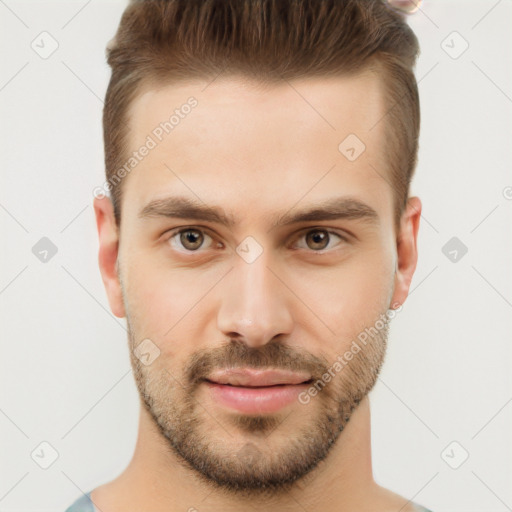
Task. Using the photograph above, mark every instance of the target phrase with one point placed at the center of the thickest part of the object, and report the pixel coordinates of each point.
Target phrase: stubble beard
(251, 464)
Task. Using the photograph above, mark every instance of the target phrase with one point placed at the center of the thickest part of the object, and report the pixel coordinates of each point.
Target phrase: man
(258, 239)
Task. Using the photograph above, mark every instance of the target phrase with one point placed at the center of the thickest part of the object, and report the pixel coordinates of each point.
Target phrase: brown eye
(317, 239)
(191, 239)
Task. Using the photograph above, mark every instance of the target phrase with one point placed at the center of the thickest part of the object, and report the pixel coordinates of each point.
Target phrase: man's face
(254, 294)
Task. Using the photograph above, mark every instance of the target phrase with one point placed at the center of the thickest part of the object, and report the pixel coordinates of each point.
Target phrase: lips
(253, 378)
(249, 391)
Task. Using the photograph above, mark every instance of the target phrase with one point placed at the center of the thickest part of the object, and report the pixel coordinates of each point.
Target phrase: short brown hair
(165, 41)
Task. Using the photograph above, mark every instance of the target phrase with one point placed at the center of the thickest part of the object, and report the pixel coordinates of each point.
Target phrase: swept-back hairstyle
(167, 41)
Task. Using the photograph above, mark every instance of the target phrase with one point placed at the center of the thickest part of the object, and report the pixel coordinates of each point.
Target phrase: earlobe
(407, 253)
(108, 234)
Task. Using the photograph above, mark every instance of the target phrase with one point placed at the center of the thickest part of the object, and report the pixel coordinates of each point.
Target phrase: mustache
(274, 354)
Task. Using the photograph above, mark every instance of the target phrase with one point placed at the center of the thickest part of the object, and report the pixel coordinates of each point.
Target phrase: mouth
(256, 392)
(309, 381)
(250, 377)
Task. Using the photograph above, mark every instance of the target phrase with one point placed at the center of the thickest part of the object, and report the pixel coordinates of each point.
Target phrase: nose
(254, 304)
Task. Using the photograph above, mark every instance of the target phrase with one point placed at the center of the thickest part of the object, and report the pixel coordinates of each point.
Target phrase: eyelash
(172, 234)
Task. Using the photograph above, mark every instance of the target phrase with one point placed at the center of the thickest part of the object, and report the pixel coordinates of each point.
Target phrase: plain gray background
(445, 391)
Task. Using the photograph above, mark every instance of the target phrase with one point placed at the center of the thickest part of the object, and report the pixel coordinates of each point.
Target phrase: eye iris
(186, 238)
(318, 237)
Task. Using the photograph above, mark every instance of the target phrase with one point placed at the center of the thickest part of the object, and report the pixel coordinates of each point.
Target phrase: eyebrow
(347, 207)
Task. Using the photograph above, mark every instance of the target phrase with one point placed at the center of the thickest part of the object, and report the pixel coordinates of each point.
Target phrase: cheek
(167, 306)
(152, 303)
(351, 296)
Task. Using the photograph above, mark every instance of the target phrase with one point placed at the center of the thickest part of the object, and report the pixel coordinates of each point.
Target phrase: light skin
(259, 154)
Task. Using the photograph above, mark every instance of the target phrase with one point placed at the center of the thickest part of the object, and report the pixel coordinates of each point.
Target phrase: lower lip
(256, 400)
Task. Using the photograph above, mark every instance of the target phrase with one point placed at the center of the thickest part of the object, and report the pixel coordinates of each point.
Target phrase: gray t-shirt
(84, 504)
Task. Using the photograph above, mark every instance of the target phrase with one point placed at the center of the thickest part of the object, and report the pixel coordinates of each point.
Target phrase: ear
(407, 254)
(108, 234)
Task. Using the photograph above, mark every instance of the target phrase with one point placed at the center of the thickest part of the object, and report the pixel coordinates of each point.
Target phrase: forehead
(329, 105)
(238, 142)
